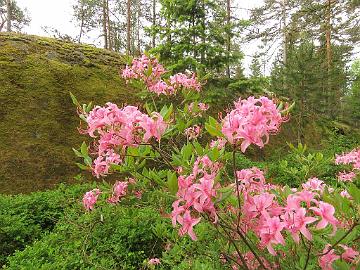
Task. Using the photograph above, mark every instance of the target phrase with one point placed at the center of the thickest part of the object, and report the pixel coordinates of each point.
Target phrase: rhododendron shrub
(183, 151)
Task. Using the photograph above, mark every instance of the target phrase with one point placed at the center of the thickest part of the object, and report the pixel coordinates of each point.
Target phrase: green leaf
(74, 100)
(354, 192)
(341, 265)
(172, 182)
(186, 151)
(82, 166)
(84, 149)
(169, 112)
(212, 130)
(77, 153)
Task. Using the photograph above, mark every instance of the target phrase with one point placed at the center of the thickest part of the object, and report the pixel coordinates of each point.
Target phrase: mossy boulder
(38, 120)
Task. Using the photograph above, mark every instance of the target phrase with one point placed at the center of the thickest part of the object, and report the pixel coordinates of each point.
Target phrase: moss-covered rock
(38, 121)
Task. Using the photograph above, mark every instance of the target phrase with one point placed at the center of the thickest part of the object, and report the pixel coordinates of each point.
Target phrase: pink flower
(193, 132)
(90, 198)
(251, 122)
(296, 222)
(154, 261)
(101, 167)
(219, 143)
(345, 194)
(346, 176)
(177, 211)
(119, 190)
(270, 233)
(325, 261)
(188, 223)
(349, 254)
(187, 82)
(314, 184)
(138, 194)
(308, 197)
(326, 212)
(203, 107)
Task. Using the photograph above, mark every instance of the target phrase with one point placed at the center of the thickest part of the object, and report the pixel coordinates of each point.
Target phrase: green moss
(38, 121)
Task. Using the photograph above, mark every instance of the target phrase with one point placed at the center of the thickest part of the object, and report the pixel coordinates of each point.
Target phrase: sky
(58, 15)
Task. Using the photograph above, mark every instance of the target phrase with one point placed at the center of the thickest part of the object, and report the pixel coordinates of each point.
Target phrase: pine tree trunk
(153, 22)
(82, 21)
(104, 23)
(328, 34)
(138, 27)
(228, 20)
(8, 13)
(284, 26)
(108, 26)
(128, 27)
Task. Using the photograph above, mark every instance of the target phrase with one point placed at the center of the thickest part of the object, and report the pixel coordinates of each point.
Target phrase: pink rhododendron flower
(193, 132)
(188, 82)
(326, 212)
(154, 261)
(350, 255)
(150, 71)
(270, 233)
(352, 158)
(346, 176)
(119, 190)
(203, 107)
(118, 129)
(296, 223)
(314, 184)
(196, 192)
(188, 223)
(325, 261)
(138, 194)
(90, 198)
(251, 179)
(251, 122)
(345, 194)
(219, 143)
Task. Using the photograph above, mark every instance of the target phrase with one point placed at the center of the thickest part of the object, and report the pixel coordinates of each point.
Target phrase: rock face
(38, 122)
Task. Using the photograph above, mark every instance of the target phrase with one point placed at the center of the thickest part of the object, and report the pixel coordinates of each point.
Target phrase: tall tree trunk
(332, 98)
(9, 16)
(153, 21)
(138, 27)
(128, 27)
(328, 34)
(104, 22)
(228, 45)
(284, 30)
(108, 26)
(82, 21)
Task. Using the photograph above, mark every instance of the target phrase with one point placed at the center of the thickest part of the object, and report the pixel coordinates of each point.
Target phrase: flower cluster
(268, 219)
(90, 198)
(119, 190)
(329, 256)
(251, 122)
(117, 129)
(193, 132)
(352, 158)
(195, 195)
(150, 72)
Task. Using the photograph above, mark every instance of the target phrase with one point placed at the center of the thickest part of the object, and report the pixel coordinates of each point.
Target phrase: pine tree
(191, 35)
(12, 17)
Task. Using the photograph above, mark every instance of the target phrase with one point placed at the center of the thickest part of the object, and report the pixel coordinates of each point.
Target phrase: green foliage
(39, 124)
(117, 237)
(194, 35)
(25, 218)
(112, 237)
